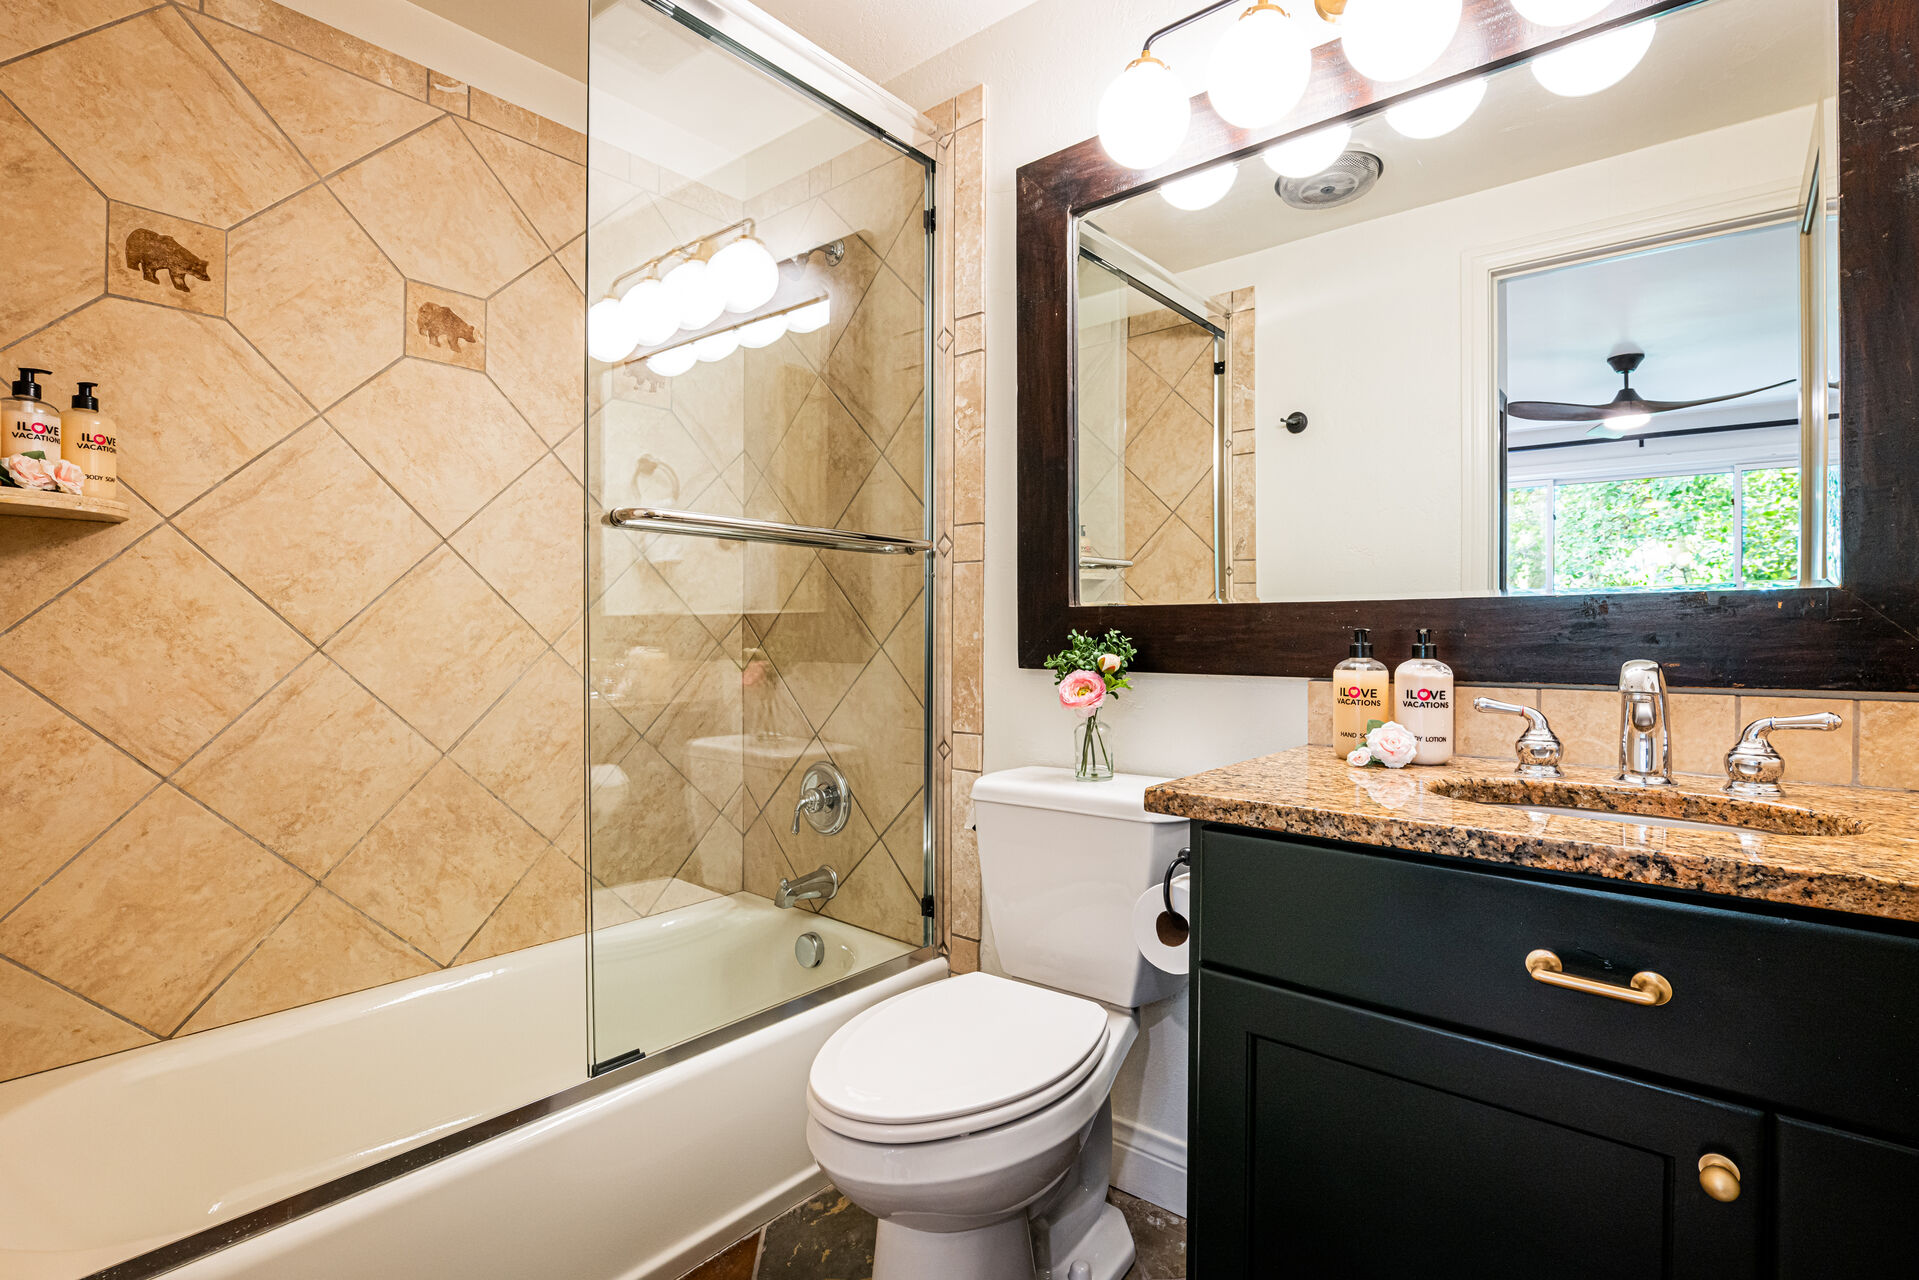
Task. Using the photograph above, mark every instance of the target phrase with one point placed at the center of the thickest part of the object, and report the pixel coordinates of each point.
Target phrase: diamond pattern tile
(820, 645)
(114, 100)
(439, 648)
(445, 438)
(529, 748)
(305, 267)
(143, 261)
(434, 868)
(549, 189)
(42, 1026)
(527, 544)
(310, 529)
(310, 767)
(536, 334)
(156, 913)
(191, 648)
(473, 244)
(54, 238)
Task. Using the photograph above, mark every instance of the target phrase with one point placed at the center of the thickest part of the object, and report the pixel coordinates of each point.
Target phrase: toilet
(972, 1117)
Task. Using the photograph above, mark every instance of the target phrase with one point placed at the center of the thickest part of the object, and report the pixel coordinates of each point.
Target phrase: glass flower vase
(1092, 757)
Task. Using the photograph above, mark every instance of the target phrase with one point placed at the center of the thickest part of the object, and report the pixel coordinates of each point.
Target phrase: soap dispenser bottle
(1423, 699)
(1360, 688)
(29, 424)
(87, 441)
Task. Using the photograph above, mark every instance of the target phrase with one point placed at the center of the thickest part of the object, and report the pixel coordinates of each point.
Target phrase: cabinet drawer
(1816, 1018)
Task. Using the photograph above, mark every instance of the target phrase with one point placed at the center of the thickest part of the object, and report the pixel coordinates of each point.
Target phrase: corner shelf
(62, 506)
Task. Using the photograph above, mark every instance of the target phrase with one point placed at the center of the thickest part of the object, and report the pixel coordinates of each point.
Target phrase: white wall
(1043, 69)
(1362, 328)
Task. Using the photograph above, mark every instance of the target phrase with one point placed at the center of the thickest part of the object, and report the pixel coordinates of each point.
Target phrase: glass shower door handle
(742, 529)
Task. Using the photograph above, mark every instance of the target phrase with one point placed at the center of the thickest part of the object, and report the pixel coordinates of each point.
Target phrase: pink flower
(1109, 664)
(1083, 692)
(68, 476)
(1393, 744)
(1359, 757)
(29, 473)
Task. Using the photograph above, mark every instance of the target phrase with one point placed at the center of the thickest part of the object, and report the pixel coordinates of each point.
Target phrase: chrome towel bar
(741, 529)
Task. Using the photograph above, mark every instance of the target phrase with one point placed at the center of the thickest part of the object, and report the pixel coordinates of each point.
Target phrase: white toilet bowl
(972, 1116)
(995, 1193)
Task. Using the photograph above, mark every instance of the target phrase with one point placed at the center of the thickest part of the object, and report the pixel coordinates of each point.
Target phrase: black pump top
(1425, 648)
(83, 397)
(1362, 645)
(26, 386)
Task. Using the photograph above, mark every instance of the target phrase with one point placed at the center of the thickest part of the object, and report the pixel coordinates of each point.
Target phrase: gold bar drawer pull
(1647, 988)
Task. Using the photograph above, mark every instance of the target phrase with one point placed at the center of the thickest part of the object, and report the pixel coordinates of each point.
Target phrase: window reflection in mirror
(1573, 344)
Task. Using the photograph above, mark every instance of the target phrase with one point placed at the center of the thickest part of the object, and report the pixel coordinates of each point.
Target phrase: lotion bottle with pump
(1423, 700)
(1360, 694)
(87, 441)
(29, 424)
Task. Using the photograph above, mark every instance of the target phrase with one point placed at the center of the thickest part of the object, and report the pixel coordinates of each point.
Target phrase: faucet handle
(1538, 747)
(1754, 766)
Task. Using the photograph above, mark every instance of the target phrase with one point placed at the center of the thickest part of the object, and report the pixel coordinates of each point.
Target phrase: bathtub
(268, 1137)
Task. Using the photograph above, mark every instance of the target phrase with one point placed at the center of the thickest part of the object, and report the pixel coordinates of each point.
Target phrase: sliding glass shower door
(758, 573)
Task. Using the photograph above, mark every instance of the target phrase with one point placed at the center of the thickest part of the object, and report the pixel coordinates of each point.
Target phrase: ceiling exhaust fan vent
(1344, 181)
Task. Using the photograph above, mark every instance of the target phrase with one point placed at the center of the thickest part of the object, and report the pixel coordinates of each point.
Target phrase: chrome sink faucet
(1538, 747)
(1754, 766)
(1645, 726)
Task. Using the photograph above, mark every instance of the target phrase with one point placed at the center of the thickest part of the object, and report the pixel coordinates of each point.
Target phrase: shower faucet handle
(826, 798)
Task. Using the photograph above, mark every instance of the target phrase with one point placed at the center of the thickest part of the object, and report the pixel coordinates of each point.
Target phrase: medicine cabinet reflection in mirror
(1548, 339)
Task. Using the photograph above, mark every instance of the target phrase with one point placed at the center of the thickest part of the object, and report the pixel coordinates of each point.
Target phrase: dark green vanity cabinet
(1381, 1088)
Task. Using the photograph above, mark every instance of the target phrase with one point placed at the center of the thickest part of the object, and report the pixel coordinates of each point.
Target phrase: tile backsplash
(287, 732)
(1870, 750)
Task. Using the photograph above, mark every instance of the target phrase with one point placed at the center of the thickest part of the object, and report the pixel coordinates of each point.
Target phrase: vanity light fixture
(810, 317)
(1200, 190)
(687, 287)
(1143, 114)
(1557, 13)
(1432, 115)
(1391, 40)
(759, 331)
(1595, 63)
(1259, 68)
(1305, 156)
(716, 346)
(673, 362)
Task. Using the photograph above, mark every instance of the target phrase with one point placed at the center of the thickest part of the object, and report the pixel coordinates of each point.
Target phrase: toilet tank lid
(1122, 796)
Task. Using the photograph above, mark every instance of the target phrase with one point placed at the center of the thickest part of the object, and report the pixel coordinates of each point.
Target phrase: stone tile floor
(830, 1238)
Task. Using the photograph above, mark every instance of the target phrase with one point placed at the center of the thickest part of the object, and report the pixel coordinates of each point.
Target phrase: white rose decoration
(1393, 744)
(1359, 757)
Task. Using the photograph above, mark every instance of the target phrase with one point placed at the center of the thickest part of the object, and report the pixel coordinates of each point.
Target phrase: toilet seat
(954, 1057)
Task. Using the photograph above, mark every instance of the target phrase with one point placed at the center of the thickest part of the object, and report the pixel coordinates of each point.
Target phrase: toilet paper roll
(1164, 941)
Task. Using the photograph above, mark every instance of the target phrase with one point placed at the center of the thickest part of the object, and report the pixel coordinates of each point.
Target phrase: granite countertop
(1836, 848)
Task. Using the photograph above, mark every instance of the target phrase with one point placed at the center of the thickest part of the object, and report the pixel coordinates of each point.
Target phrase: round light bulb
(1557, 13)
(1311, 154)
(1389, 40)
(1627, 421)
(763, 333)
(810, 317)
(671, 364)
(717, 346)
(696, 302)
(1201, 189)
(745, 274)
(609, 334)
(1595, 63)
(1143, 114)
(650, 313)
(1440, 112)
(1259, 68)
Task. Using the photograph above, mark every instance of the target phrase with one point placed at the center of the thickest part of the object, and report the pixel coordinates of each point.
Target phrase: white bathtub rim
(520, 1123)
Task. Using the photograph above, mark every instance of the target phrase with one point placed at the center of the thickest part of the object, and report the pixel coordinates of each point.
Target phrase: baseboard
(1149, 1164)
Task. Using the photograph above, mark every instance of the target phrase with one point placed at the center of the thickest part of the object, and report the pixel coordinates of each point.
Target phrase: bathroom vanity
(1442, 1031)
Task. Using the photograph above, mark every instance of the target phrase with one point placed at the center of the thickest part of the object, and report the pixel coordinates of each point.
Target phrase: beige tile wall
(307, 722)
(1869, 750)
(959, 438)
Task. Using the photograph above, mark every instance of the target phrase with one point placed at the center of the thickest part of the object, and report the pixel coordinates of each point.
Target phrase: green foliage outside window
(1657, 533)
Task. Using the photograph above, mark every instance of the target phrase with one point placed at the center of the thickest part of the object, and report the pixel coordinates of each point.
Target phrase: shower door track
(742, 529)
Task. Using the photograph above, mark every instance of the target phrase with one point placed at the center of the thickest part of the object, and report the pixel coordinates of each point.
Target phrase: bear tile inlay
(445, 326)
(157, 258)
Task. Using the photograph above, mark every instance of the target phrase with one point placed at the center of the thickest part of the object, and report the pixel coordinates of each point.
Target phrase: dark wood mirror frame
(1861, 635)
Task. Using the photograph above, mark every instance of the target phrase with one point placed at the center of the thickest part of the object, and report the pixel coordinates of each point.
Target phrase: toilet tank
(1061, 863)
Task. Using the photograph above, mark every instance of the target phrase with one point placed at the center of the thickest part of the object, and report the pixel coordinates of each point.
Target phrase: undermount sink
(1647, 807)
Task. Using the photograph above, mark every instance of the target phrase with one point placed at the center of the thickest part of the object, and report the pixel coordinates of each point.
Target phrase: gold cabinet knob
(1719, 1177)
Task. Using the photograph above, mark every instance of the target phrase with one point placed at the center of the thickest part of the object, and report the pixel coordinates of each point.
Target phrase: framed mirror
(1572, 345)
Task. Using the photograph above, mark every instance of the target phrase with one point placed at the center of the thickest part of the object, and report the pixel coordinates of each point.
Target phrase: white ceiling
(552, 32)
(882, 38)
